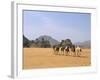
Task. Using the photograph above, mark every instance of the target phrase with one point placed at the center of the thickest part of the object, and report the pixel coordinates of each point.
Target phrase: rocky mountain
(26, 42)
(25, 39)
(85, 44)
(50, 39)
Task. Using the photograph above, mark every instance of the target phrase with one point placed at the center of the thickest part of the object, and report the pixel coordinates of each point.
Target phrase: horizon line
(56, 39)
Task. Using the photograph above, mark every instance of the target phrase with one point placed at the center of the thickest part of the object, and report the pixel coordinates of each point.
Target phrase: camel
(78, 51)
(56, 49)
(67, 50)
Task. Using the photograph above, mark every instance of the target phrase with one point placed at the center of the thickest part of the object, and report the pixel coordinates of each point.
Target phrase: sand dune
(45, 58)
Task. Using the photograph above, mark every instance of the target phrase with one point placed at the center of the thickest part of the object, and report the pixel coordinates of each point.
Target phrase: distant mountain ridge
(30, 43)
(84, 44)
(27, 42)
(50, 39)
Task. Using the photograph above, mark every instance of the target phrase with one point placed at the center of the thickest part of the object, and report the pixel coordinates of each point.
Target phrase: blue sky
(59, 25)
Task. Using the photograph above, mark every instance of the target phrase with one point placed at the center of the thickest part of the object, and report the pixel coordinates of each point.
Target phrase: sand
(35, 58)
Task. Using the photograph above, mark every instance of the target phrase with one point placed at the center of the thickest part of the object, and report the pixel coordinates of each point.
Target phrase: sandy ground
(45, 58)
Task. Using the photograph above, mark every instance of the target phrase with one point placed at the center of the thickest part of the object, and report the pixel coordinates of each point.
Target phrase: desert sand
(35, 58)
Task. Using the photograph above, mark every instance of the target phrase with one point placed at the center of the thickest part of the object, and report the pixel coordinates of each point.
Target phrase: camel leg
(66, 53)
(71, 53)
(62, 52)
(75, 53)
(78, 53)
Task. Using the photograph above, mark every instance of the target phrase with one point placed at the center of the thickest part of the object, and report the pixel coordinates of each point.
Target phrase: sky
(58, 25)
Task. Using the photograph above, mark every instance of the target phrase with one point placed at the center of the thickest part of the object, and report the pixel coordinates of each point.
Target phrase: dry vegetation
(44, 58)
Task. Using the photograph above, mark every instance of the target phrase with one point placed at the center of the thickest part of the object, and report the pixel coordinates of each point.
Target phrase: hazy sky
(59, 25)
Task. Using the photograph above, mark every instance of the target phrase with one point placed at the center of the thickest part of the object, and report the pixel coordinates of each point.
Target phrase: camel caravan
(68, 50)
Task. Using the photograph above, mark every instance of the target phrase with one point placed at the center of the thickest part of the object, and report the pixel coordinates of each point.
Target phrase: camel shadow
(83, 56)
